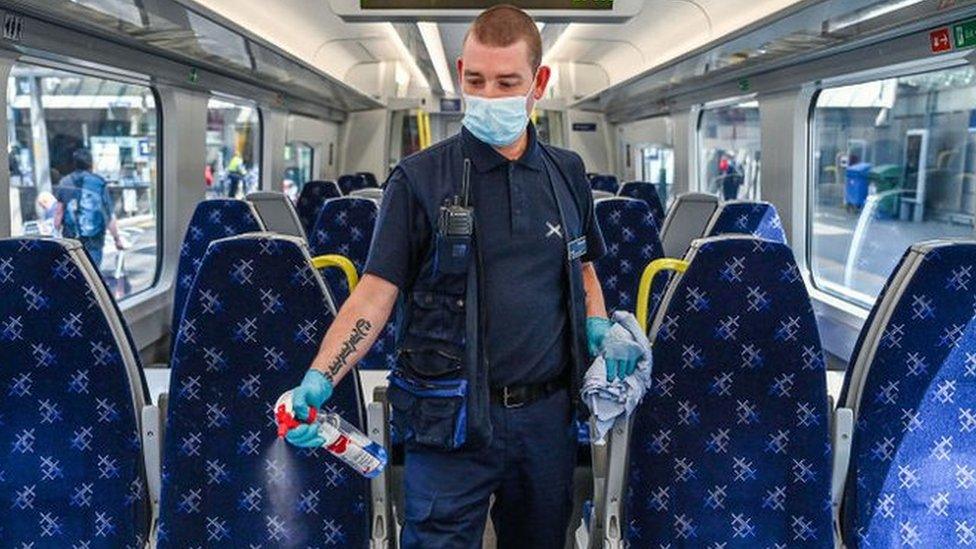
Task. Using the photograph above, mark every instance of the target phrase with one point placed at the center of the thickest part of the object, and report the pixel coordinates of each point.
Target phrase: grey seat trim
(371, 193)
(678, 229)
(259, 200)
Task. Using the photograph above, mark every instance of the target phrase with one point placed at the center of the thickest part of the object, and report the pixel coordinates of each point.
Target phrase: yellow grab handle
(644, 289)
(339, 262)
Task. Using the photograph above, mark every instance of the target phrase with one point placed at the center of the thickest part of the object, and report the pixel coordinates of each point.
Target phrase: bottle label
(355, 455)
(350, 449)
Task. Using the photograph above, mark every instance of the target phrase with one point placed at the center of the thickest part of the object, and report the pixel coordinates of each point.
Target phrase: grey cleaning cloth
(608, 400)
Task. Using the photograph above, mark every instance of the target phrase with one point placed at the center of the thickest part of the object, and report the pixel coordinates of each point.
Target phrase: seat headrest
(758, 219)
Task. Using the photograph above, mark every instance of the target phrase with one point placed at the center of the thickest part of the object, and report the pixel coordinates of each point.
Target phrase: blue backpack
(85, 214)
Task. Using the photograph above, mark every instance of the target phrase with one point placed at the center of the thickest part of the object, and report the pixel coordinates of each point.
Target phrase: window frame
(124, 77)
(845, 298)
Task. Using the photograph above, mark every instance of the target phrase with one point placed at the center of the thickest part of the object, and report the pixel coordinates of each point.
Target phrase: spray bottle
(341, 439)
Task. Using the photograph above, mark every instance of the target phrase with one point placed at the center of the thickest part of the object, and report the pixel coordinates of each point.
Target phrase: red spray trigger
(287, 421)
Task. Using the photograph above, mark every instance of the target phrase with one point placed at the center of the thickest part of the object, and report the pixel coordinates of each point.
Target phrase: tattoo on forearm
(350, 346)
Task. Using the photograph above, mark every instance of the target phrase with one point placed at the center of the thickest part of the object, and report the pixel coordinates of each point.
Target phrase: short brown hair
(503, 25)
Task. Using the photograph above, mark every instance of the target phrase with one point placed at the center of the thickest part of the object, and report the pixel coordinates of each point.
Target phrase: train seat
(370, 178)
(686, 220)
(731, 444)
(212, 219)
(313, 195)
(253, 322)
(647, 192)
(345, 227)
(72, 472)
(760, 219)
(909, 400)
(606, 183)
(632, 242)
(352, 182)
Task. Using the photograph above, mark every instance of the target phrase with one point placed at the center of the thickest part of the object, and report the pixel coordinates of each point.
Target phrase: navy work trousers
(528, 468)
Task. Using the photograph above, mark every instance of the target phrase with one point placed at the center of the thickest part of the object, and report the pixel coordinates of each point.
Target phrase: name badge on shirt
(577, 248)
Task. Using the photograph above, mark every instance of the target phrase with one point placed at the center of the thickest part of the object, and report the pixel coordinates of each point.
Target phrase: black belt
(517, 396)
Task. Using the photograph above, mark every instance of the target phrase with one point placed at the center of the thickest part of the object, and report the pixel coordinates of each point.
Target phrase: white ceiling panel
(662, 31)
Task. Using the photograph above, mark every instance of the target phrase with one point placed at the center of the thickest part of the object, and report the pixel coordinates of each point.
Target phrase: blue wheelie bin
(856, 188)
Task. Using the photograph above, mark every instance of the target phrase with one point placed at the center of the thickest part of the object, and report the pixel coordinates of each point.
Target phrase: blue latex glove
(314, 391)
(596, 331)
(621, 356)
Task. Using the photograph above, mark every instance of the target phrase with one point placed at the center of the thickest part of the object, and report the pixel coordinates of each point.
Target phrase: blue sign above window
(450, 105)
(584, 126)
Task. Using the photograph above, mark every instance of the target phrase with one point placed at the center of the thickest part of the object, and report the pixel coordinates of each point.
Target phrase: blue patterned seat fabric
(632, 242)
(345, 227)
(310, 201)
(730, 447)
(71, 471)
(352, 182)
(252, 325)
(912, 480)
(647, 192)
(212, 219)
(607, 183)
(759, 219)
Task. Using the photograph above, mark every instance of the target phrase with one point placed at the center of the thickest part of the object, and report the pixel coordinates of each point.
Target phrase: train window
(730, 151)
(298, 168)
(233, 148)
(83, 164)
(893, 163)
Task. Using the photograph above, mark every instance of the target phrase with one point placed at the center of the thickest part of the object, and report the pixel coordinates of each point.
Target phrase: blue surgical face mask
(497, 121)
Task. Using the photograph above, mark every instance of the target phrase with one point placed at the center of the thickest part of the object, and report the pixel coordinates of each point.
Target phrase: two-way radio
(457, 215)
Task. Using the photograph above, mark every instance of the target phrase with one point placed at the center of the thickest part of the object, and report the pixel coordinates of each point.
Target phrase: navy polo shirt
(520, 235)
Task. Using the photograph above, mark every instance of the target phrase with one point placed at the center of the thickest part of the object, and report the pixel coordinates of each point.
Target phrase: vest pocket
(429, 413)
(437, 317)
(429, 361)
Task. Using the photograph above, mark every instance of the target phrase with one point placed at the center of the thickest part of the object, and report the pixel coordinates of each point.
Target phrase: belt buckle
(505, 397)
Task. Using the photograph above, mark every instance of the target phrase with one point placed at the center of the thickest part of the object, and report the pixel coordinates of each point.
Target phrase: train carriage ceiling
(606, 52)
(339, 54)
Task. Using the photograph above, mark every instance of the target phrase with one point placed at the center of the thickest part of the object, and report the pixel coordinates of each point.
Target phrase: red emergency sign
(940, 40)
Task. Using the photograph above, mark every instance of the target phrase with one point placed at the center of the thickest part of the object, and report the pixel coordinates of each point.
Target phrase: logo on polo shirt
(555, 229)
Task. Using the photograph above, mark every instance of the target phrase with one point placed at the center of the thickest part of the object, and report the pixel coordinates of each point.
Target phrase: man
(85, 210)
(236, 172)
(487, 239)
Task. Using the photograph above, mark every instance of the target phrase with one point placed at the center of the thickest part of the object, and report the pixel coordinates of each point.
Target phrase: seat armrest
(381, 523)
(616, 484)
(152, 452)
(841, 435)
